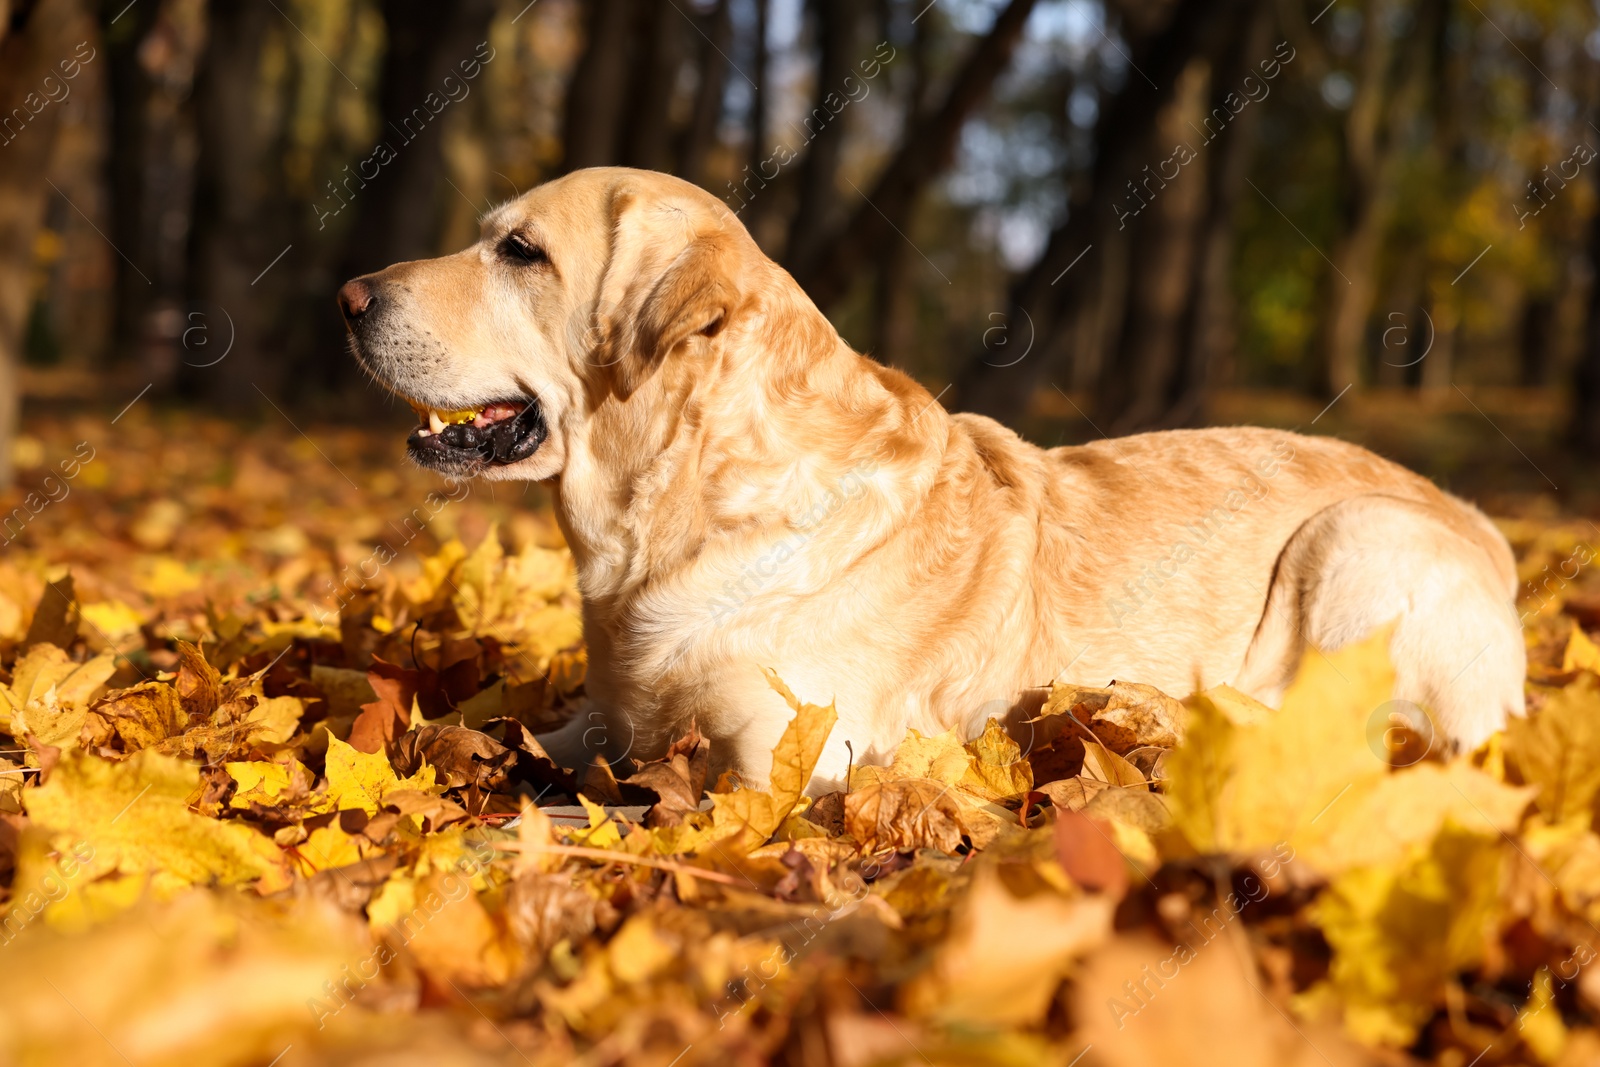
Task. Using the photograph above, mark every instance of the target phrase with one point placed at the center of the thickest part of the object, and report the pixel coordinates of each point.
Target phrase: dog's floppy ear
(694, 296)
(658, 294)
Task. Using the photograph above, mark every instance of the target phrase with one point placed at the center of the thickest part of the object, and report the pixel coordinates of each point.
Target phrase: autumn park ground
(267, 705)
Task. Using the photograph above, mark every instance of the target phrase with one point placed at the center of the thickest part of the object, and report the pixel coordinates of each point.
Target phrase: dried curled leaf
(1123, 715)
(904, 813)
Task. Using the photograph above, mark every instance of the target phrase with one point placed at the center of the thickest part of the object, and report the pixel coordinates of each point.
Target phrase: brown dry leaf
(55, 617)
(904, 813)
(678, 779)
(1123, 715)
(198, 683)
(1072, 793)
(460, 757)
(1104, 765)
(137, 718)
(346, 690)
(382, 721)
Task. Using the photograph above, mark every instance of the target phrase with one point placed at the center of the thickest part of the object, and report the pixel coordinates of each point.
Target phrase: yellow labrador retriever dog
(741, 491)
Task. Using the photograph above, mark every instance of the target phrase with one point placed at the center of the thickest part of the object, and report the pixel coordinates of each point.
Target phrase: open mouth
(495, 434)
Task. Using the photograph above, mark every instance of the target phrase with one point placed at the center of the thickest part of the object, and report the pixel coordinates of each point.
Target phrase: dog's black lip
(465, 448)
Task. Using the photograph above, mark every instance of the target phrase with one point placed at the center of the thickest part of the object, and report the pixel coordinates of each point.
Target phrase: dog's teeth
(435, 423)
(424, 432)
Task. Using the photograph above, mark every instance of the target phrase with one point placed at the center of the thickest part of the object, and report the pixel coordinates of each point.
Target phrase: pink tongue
(496, 413)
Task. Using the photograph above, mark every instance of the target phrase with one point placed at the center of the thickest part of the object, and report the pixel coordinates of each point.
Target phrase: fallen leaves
(135, 817)
(312, 820)
(906, 813)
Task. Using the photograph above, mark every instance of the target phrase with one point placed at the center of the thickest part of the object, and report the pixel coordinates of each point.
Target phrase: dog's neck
(705, 449)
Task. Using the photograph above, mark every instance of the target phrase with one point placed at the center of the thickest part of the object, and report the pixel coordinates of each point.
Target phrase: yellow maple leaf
(1243, 788)
(135, 815)
(756, 815)
(603, 831)
(1558, 749)
(995, 768)
(1381, 818)
(361, 780)
(328, 847)
(1241, 709)
(639, 952)
(1581, 653)
(209, 978)
(940, 757)
(1539, 1022)
(1400, 931)
(444, 927)
(436, 569)
(264, 782)
(527, 600)
(49, 694)
(109, 622)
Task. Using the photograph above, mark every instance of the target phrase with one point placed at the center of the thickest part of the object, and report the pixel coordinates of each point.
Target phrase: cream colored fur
(742, 490)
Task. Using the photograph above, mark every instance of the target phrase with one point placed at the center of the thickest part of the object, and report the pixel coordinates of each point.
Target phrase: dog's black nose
(356, 298)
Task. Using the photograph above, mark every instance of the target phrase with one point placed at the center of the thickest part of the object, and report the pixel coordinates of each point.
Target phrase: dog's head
(575, 293)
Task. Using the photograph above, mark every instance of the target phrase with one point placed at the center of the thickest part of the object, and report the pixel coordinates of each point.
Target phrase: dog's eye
(521, 251)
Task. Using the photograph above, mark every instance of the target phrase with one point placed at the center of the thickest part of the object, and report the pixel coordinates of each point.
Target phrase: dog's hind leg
(1447, 586)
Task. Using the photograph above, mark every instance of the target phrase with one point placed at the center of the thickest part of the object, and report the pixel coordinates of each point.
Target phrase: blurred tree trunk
(127, 168)
(1350, 288)
(759, 133)
(895, 308)
(655, 36)
(1001, 388)
(1535, 340)
(754, 214)
(1585, 428)
(701, 134)
(837, 25)
(33, 40)
(598, 90)
(828, 267)
(397, 217)
(1389, 85)
(1206, 340)
(1139, 384)
(232, 237)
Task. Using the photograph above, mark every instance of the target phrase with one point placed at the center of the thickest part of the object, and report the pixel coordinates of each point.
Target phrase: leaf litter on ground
(270, 793)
